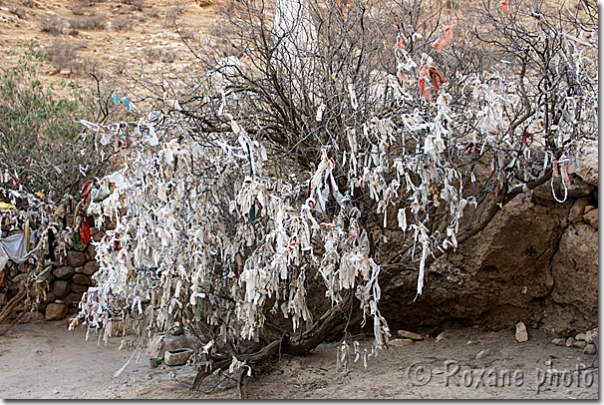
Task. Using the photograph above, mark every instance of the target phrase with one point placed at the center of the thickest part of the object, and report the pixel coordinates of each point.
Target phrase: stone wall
(70, 279)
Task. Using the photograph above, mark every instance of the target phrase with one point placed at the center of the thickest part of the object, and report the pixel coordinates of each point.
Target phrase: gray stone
(570, 341)
(592, 218)
(485, 353)
(410, 335)
(559, 342)
(50, 297)
(580, 344)
(63, 272)
(177, 357)
(55, 312)
(60, 288)
(96, 237)
(81, 279)
(580, 336)
(590, 348)
(91, 252)
(90, 268)
(74, 297)
(76, 259)
(79, 288)
(398, 342)
(587, 163)
(521, 333)
(177, 342)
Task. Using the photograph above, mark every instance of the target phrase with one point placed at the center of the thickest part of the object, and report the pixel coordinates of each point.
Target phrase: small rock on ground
(580, 344)
(410, 335)
(485, 353)
(559, 342)
(521, 333)
(590, 349)
(400, 342)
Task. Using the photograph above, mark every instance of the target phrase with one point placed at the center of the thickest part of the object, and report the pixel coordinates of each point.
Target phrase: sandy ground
(46, 361)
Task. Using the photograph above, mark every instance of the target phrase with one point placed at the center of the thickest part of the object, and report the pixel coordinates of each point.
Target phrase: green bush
(41, 146)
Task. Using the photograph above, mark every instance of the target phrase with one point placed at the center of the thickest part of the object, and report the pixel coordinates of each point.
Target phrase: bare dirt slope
(45, 360)
(115, 39)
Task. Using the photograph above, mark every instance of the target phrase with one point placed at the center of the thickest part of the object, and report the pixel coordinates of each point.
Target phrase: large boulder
(495, 279)
(575, 272)
(587, 163)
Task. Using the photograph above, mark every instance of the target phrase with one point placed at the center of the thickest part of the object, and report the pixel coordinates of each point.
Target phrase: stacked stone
(71, 280)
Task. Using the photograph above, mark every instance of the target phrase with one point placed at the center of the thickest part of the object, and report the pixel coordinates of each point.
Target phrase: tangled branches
(342, 141)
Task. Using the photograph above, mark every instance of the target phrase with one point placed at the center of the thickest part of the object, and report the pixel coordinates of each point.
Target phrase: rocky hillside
(112, 38)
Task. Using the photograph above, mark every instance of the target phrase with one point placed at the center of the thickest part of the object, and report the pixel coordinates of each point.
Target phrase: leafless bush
(87, 23)
(63, 54)
(365, 141)
(77, 8)
(121, 24)
(28, 3)
(152, 55)
(137, 5)
(51, 24)
(19, 11)
(153, 12)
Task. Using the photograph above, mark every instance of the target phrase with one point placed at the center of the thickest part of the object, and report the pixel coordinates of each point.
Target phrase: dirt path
(45, 360)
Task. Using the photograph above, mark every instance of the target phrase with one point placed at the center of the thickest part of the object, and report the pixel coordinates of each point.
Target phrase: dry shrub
(77, 8)
(87, 23)
(51, 24)
(28, 3)
(153, 13)
(137, 5)
(159, 55)
(121, 24)
(19, 11)
(64, 56)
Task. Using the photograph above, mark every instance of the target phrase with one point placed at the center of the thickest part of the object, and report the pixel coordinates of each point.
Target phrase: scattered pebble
(580, 344)
(400, 342)
(570, 341)
(591, 336)
(485, 353)
(410, 335)
(559, 342)
(580, 336)
(521, 333)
